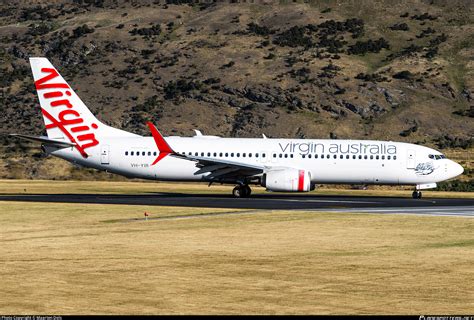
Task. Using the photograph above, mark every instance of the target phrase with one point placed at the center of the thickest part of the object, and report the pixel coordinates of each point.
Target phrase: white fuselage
(328, 161)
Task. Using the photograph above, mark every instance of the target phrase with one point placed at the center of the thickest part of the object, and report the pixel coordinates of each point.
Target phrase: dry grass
(100, 259)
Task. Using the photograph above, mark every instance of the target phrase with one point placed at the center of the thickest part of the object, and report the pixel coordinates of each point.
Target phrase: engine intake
(287, 180)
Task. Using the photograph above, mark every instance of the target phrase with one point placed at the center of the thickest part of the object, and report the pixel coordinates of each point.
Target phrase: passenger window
(232, 154)
(334, 156)
(220, 154)
(309, 156)
(126, 153)
(377, 157)
(347, 156)
(238, 155)
(274, 155)
(303, 156)
(143, 153)
(256, 155)
(138, 153)
(132, 153)
(431, 156)
(291, 155)
(263, 155)
(360, 157)
(243, 154)
(328, 156)
(365, 157)
(341, 156)
(383, 157)
(250, 155)
(149, 153)
(226, 154)
(388, 157)
(279, 156)
(286, 156)
(354, 157)
(315, 156)
(394, 157)
(371, 157)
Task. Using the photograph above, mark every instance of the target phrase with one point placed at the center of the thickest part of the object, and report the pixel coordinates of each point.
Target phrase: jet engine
(287, 180)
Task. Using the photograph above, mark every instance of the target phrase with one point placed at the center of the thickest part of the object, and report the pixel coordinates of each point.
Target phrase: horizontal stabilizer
(45, 140)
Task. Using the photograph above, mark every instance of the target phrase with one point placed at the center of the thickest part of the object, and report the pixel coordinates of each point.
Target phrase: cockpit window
(437, 156)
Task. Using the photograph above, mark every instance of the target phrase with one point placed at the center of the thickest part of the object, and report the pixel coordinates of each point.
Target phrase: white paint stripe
(465, 211)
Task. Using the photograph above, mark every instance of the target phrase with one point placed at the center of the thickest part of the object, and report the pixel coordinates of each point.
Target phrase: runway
(270, 201)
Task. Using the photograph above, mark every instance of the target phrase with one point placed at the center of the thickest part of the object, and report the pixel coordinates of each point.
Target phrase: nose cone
(456, 169)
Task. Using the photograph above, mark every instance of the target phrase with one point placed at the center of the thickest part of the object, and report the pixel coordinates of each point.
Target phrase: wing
(218, 169)
(221, 169)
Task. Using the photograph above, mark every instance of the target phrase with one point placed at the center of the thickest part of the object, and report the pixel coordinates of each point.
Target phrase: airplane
(280, 165)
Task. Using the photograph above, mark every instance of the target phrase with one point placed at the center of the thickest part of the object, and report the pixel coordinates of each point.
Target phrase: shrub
(400, 26)
(362, 47)
(82, 30)
(404, 75)
(259, 30)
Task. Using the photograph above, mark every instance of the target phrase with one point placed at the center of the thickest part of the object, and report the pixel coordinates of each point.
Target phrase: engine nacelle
(287, 180)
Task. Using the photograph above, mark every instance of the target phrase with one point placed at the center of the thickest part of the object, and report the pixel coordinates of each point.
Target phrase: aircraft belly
(176, 169)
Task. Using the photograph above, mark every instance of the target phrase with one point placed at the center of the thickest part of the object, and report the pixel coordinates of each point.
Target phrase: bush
(82, 30)
(173, 88)
(259, 30)
(293, 37)
(400, 26)
(373, 77)
(362, 47)
(152, 31)
(404, 75)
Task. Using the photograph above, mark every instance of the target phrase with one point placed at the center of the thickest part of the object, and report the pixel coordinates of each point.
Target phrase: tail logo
(69, 121)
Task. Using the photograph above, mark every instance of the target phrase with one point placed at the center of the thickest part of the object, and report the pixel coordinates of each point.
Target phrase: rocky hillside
(393, 70)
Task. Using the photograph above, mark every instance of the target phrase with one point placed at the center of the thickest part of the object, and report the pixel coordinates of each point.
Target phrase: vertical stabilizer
(65, 115)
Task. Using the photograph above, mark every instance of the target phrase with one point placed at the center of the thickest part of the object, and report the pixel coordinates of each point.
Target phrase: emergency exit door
(105, 154)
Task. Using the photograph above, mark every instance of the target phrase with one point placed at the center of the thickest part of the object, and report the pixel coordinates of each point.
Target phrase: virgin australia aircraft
(286, 165)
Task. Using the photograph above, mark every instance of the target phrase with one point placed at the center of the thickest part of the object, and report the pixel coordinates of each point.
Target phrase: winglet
(161, 144)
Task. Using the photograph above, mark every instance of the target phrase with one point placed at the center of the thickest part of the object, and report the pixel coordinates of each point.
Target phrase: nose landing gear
(241, 191)
(416, 194)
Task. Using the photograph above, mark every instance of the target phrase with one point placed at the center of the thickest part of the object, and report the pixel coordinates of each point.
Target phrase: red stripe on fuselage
(301, 180)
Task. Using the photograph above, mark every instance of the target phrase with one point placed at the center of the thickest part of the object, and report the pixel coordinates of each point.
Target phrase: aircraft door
(105, 154)
(411, 155)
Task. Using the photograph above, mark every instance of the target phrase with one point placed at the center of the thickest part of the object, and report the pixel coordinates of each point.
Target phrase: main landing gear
(416, 194)
(242, 191)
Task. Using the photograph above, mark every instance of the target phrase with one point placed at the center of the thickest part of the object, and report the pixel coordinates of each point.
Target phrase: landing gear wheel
(237, 192)
(241, 191)
(416, 194)
(248, 191)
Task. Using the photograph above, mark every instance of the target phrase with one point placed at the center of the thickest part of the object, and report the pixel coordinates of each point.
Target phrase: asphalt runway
(270, 201)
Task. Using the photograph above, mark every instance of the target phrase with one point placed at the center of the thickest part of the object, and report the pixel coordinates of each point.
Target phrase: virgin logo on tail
(69, 121)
